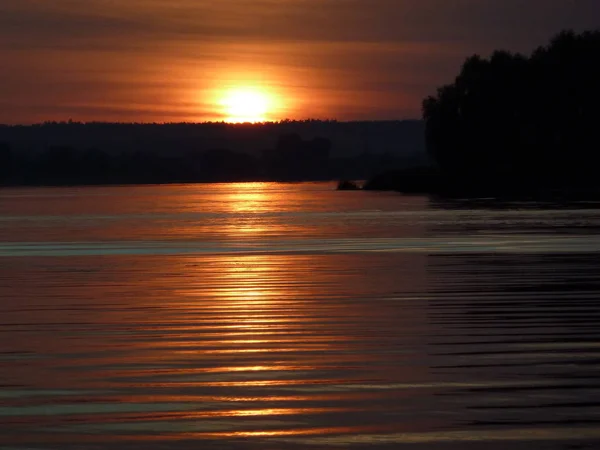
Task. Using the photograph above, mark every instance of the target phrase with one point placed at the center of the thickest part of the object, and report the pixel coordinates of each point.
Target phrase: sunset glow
(247, 105)
(153, 61)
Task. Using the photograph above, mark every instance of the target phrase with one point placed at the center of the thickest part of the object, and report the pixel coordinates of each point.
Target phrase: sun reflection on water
(248, 202)
(250, 197)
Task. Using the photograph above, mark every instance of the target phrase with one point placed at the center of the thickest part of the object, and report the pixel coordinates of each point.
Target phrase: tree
(6, 162)
(525, 121)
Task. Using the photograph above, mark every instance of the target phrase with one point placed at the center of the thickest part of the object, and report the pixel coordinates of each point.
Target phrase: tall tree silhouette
(513, 121)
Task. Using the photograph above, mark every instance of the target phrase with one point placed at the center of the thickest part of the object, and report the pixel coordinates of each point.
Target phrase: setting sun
(247, 105)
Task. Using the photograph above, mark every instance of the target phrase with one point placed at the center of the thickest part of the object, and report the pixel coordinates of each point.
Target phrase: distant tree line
(293, 159)
(401, 138)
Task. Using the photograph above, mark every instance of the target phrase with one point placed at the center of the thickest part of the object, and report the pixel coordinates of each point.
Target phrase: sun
(247, 105)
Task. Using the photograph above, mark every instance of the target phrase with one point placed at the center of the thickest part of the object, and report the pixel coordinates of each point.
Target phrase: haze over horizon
(198, 60)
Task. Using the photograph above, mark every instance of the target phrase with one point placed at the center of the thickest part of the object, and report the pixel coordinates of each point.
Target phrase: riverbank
(431, 181)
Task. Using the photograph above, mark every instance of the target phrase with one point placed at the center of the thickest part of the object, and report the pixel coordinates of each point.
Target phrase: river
(269, 316)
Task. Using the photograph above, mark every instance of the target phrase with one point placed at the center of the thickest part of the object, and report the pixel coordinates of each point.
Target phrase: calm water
(269, 316)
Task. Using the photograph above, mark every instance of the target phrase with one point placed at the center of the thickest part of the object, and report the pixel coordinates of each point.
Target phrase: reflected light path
(247, 202)
(477, 330)
(251, 197)
(217, 347)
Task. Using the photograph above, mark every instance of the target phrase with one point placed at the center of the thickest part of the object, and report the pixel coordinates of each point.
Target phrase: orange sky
(156, 60)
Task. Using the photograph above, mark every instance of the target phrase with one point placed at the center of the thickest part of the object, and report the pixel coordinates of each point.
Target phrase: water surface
(268, 316)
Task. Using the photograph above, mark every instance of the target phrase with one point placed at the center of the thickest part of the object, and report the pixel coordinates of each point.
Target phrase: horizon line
(232, 124)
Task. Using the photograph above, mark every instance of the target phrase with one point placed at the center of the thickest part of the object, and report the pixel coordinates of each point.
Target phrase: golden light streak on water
(271, 316)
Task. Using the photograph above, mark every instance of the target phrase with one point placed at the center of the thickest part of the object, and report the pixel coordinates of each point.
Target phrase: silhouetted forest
(292, 159)
(513, 124)
(66, 154)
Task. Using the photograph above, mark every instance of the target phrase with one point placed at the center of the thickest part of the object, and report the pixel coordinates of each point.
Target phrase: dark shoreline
(430, 181)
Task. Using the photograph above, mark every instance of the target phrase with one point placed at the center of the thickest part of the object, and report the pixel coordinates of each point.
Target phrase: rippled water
(267, 316)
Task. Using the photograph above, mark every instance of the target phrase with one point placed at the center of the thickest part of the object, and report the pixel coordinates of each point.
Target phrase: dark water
(269, 316)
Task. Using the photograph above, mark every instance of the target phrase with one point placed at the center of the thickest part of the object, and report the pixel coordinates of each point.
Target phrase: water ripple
(390, 322)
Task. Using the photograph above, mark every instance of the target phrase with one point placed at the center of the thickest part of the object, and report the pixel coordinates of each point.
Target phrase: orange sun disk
(247, 105)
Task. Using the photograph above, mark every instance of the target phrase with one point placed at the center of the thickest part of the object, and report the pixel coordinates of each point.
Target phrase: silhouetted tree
(58, 165)
(226, 165)
(6, 162)
(515, 122)
(297, 159)
(96, 166)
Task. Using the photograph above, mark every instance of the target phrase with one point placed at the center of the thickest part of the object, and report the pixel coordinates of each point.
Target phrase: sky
(181, 60)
